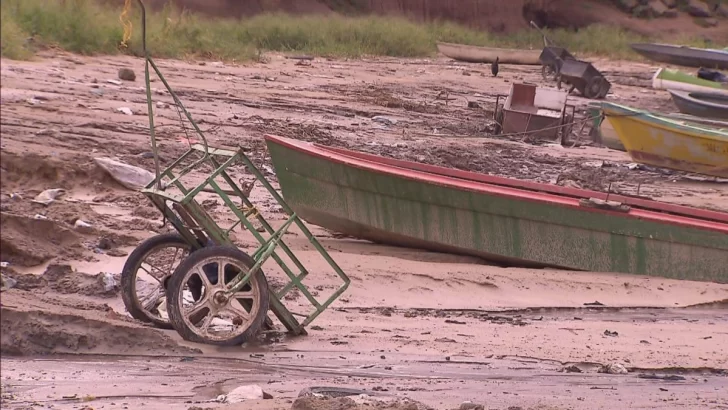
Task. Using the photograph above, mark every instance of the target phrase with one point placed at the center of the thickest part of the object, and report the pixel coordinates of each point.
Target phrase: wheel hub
(220, 299)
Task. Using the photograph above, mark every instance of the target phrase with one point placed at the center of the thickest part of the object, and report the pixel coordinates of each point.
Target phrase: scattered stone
(473, 104)
(610, 333)
(671, 4)
(243, 393)
(48, 196)
(125, 110)
(83, 226)
(571, 369)
(469, 405)
(7, 282)
(384, 120)
(697, 9)
(127, 74)
(105, 243)
(613, 368)
(108, 282)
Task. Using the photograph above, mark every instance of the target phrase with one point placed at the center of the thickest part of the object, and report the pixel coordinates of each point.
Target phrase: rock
(83, 226)
(243, 393)
(125, 110)
(7, 282)
(384, 120)
(709, 22)
(108, 282)
(127, 74)
(627, 5)
(697, 9)
(659, 9)
(671, 4)
(469, 405)
(613, 368)
(48, 196)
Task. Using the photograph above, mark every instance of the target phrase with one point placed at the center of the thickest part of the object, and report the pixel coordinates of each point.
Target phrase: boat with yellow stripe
(669, 143)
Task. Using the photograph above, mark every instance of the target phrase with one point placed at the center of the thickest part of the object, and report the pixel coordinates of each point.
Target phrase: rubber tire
(553, 75)
(593, 88)
(128, 277)
(176, 284)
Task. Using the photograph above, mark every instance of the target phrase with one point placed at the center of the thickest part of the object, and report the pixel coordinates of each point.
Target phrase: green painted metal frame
(197, 226)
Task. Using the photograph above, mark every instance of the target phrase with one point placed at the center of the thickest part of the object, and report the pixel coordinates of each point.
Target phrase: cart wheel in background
(604, 89)
(145, 275)
(594, 87)
(218, 317)
(549, 72)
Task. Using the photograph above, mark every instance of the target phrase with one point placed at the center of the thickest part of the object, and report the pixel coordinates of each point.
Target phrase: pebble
(127, 74)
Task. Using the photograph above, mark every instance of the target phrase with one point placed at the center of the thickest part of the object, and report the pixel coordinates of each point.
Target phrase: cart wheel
(593, 87)
(217, 316)
(549, 72)
(155, 259)
(604, 89)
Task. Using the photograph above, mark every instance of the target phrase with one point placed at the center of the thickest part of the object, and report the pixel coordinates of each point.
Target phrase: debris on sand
(48, 196)
(356, 403)
(129, 176)
(64, 279)
(127, 74)
(342, 398)
(125, 110)
(613, 368)
(244, 393)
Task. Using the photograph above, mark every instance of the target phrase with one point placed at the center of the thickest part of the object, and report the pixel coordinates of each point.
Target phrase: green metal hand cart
(217, 294)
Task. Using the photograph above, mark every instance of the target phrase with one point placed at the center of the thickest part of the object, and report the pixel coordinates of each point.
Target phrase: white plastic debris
(129, 176)
(242, 393)
(125, 110)
(82, 226)
(48, 196)
(108, 281)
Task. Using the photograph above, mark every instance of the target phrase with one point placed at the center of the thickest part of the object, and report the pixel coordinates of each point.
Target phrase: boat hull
(474, 54)
(675, 80)
(375, 201)
(700, 104)
(683, 56)
(664, 143)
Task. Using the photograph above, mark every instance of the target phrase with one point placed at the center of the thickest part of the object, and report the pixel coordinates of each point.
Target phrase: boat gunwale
(695, 97)
(512, 192)
(695, 131)
(647, 204)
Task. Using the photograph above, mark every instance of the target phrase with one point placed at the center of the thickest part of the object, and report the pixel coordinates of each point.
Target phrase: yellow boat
(663, 142)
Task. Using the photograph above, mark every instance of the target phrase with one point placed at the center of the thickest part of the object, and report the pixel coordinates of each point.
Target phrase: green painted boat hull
(438, 216)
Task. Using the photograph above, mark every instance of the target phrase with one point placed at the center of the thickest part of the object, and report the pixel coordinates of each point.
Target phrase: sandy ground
(438, 329)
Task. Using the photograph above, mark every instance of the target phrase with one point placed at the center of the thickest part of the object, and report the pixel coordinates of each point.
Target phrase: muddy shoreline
(439, 329)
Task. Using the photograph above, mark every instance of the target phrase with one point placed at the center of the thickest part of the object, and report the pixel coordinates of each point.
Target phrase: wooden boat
(602, 131)
(701, 104)
(475, 54)
(683, 55)
(665, 79)
(515, 222)
(656, 140)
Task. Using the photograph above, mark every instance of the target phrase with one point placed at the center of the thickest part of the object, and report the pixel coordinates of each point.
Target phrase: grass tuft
(88, 27)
